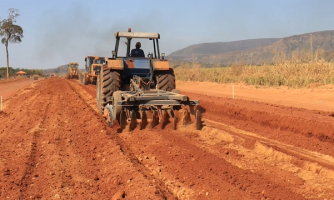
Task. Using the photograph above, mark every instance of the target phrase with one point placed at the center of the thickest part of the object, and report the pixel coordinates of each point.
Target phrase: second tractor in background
(93, 66)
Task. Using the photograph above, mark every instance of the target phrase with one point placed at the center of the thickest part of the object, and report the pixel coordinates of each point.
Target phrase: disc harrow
(144, 109)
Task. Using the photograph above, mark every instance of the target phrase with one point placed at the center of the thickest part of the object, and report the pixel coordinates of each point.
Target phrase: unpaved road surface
(10, 87)
(54, 145)
(313, 97)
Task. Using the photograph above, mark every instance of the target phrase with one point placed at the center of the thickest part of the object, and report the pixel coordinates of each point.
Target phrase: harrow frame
(132, 104)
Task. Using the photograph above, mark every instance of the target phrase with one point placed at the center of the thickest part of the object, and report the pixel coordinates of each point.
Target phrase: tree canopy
(12, 71)
(10, 32)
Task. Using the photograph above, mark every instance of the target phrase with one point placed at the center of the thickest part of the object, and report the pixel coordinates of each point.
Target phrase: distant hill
(62, 69)
(58, 70)
(204, 49)
(258, 51)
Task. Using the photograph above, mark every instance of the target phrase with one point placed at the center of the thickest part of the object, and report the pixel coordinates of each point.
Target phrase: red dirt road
(314, 97)
(8, 88)
(54, 145)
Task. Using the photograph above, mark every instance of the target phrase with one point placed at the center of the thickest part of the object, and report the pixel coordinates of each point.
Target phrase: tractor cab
(145, 67)
(94, 64)
(73, 65)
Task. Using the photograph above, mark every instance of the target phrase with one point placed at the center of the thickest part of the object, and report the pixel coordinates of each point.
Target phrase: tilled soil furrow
(161, 189)
(66, 156)
(30, 172)
(308, 129)
(18, 142)
(303, 176)
(157, 191)
(75, 155)
(323, 160)
(198, 173)
(52, 142)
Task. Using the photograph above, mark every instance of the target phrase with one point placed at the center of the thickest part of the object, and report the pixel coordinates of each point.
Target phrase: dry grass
(286, 73)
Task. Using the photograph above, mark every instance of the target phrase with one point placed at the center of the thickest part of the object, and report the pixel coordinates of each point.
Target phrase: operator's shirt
(137, 53)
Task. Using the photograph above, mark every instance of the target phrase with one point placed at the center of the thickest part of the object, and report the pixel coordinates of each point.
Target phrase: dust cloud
(72, 35)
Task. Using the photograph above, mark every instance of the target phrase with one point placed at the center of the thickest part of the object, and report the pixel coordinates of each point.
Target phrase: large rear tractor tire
(165, 80)
(109, 83)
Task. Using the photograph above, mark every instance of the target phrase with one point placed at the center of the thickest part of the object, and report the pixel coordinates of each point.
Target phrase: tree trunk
(7, 60)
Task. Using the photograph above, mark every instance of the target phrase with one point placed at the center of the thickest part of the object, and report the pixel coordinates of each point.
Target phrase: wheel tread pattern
(111, 82)
(166, 80)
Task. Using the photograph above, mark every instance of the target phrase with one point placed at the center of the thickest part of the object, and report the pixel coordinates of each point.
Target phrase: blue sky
(57, 32)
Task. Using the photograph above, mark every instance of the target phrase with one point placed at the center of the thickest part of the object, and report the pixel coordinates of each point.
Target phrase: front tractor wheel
(113, 112)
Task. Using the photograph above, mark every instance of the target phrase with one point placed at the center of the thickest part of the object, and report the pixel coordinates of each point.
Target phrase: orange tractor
(134, 90)
(93, 66)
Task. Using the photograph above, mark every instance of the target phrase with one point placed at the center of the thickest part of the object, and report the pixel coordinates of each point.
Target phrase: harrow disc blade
(155, 119)
(122, 120)
(163, 119)
(176, 119)
(144, 121)
(198, 116)
(133, 122)
(185, 118)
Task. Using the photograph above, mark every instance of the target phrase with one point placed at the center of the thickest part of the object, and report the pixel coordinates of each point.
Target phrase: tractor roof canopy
(154, 37)
(138, 35)
(96, 57)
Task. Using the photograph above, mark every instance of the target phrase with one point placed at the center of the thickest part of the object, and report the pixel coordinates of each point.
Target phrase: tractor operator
(137, 52)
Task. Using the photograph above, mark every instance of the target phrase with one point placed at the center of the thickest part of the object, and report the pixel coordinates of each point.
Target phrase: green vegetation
(284, 73)
(12, 71)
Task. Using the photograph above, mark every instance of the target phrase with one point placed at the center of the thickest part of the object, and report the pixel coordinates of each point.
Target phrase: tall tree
(10, 32)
